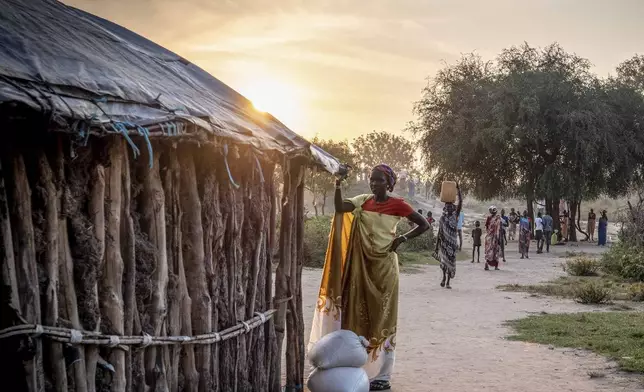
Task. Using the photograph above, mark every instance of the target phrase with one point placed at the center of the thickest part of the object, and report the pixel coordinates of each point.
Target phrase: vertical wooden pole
(133, 360)
(111, 288)
(9, 278)
(49, 197)
(10, 308)
(213, 246)
(297, 287)
(177, 290)
(26, 269)
(272, 351)
(193, 258)
(97, 217)
(153, 224)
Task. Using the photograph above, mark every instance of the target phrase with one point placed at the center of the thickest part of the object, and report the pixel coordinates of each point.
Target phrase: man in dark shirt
(476, 238)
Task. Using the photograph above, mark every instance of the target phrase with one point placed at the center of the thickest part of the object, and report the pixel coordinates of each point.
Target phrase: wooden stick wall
(92, 239)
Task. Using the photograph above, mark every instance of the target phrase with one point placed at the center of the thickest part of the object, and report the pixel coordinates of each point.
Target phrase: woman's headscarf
(390, 175)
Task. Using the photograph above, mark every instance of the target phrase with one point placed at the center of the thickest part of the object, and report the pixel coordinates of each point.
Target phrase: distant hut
(138, 215)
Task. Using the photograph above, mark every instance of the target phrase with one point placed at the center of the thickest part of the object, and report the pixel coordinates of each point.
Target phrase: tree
(319, 182)
(536, 123)
(381, 147)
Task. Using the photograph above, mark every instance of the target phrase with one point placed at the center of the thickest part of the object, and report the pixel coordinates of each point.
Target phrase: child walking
(476, 238)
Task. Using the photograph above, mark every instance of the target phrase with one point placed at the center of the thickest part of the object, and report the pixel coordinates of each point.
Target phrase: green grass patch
(571, 286)
(618, 335)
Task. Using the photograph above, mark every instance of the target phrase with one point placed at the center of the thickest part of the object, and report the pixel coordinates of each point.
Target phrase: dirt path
(454, 340)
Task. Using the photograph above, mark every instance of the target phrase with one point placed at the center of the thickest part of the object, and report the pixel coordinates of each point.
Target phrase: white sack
(342, 379)
(340, 348)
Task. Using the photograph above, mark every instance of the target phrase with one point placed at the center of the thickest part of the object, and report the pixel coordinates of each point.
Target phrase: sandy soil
(453, 340)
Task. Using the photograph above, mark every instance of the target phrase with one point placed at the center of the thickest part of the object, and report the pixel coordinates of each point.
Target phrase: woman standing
(524, 235)
(493, 239)
(359, 289)
(447, 245)
(591, 225)
(514, 219)
(603, 228)
(564, 225)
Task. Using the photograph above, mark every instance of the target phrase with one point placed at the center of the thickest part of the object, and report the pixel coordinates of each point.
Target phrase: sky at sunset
(341, 68)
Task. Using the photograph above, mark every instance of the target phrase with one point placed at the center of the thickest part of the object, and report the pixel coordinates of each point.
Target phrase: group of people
(360, 282)
(500, 228)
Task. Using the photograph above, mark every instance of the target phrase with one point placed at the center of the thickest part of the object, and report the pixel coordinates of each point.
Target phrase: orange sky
(340, 68)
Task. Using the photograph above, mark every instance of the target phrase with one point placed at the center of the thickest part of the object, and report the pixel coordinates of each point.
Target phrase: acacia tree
(534, 124)
(319, 183)
(381, 147)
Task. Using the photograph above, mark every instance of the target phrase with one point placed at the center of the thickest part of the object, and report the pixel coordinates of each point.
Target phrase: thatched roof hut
(138, 215)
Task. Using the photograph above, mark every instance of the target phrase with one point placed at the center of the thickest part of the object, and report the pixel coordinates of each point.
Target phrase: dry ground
(454, 340)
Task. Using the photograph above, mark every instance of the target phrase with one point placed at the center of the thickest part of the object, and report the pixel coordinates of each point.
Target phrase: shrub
(316, 238)
(582, 266)
(624, 261)
(592, 293)
(636, 291)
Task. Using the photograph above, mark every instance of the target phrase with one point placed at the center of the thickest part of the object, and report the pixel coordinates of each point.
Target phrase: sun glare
(274, 97)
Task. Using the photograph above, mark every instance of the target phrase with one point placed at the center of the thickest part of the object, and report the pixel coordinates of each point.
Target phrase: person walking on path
(492, 239)
(430, 221)
(461, 221)
(538, 231)
(504, 228)
(361, 275)
(592, 221)
(447, 244)
(547, 230)
(513, 220)
(476, 240)
(524, 235)
(602, 229)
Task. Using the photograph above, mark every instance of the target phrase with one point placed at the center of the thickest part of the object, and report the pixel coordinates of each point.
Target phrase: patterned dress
(359, 289)
(448, 243)
(524, 236)
(493, 240)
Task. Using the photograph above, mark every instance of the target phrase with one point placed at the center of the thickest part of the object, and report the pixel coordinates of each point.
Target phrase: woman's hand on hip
(397, 241)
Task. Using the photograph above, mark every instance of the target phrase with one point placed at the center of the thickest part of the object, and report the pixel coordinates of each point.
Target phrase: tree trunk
(572, 228)
(530, 205)
(555, 214)
(111, 287)
(26, 267)
(579, 223)
(548, 206)
(324, 197)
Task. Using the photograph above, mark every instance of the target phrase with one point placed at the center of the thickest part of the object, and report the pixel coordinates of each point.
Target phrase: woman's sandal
(379, 385)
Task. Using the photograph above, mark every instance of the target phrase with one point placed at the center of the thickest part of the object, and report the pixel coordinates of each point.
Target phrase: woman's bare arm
(460, 201)
(341, 205)
(421, 226)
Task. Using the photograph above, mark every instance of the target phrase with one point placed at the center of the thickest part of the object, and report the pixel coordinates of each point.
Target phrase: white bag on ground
(341, 348)
(342, 379)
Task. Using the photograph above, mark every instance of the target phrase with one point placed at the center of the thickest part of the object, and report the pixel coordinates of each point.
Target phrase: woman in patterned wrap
(447, 244)
(524, 236)
(359, 289)
(493, 239)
